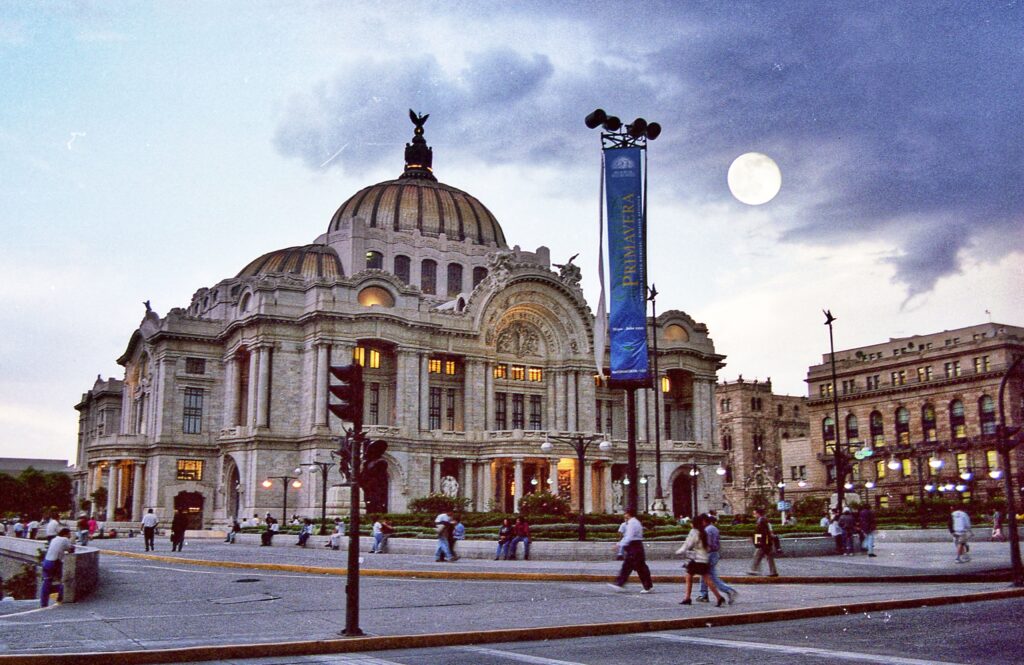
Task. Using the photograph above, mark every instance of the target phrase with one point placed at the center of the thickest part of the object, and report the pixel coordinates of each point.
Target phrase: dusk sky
(151, 149)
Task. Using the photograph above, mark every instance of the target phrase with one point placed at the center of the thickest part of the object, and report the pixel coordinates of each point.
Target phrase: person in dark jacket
(868, 526)
(505, 535)
(848, 523)
(522, 529)
(178, 526)
(764, 544)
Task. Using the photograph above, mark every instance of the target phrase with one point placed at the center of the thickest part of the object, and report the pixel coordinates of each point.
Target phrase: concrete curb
(945, 578)
(384, 643)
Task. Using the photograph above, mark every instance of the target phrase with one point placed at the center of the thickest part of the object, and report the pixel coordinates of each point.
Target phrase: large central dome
(416, 201)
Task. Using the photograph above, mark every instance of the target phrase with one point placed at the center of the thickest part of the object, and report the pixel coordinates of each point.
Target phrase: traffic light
(349, 391)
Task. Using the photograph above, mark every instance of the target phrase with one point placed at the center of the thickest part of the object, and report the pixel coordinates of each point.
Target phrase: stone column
(320, 382)
(518, 478)
(111, 490)
(560, 402)
(137, 492)
(402, 388)
(590, 479)
(263, 400)
(250, 407)
(230, 392)
(470, 406)
(435, 474)
(487, 484)
(424, 381)
(489, 397)
(572, 400)
(551, 410)
(553, 476)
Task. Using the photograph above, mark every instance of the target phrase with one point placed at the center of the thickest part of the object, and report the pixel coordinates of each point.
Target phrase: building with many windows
(754, 425)
(471, 351)
(925, 408)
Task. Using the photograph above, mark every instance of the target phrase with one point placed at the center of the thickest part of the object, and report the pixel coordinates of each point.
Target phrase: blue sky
(150, 149)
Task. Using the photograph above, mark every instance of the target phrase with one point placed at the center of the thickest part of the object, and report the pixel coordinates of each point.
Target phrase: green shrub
(544, 503)
(433, 504)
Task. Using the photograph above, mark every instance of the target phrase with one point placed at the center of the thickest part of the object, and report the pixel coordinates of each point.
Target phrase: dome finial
(419, 157)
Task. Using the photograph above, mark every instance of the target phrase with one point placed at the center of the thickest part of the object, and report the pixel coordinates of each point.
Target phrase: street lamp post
(647, 500)
(782, 499)
(659, 496)
(324, 468)
(579, 443)
(284, 486)
(1008, 439)
(694, 475)
(839, 454)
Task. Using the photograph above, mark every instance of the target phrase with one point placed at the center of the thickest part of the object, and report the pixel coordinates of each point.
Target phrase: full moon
(754, 178)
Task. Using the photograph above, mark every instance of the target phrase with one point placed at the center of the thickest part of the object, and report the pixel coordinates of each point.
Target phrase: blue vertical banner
(627, 265)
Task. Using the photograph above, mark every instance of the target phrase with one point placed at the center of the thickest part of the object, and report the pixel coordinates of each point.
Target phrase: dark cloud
(896, 122)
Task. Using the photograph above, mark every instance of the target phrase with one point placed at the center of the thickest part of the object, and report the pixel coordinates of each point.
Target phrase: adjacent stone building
(913, 400)
(754, 425)
(471, 351)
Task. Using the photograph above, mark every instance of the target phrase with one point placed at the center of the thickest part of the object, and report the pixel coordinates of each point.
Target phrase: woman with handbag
(696, 548)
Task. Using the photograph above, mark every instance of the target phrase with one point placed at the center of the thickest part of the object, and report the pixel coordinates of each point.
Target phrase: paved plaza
(164, 603)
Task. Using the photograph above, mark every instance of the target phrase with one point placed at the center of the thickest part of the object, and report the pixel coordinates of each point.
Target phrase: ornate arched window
(402, 266)
(852, 429)
(428, 276)
(454, 279)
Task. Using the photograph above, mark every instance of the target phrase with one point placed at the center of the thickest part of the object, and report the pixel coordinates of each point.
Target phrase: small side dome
(308, 262)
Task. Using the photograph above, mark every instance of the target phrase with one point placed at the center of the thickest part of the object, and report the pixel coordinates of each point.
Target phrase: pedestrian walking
(385, 531)
(505, 535)
(868, 525)
(178, 525)
(997, 526)
(53, 566)
(960, 527)
(633, 555)
(522, 535)
(378, 536)
(696, 550)
(443, 527)
(764, 545)
(848, 523)
(149, 523)
(714, 546)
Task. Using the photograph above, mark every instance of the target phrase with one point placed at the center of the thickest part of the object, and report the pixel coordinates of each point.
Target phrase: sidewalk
(145, 605)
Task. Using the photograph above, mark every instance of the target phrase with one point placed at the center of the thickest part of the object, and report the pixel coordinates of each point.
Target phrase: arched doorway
(192, 504)
(375, 488)
(682, 496)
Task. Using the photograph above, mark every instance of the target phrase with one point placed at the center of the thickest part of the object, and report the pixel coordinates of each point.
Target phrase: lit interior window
(449, 367)
(500, 371)
(535, 374)
(375, 296)
(518, 373)
(374, 359)
(666, 386)
(434, 366)
(359, 355)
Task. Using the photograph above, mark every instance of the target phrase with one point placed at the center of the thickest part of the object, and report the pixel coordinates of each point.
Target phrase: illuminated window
(880, 469)
(825, 390)
(449, 367)
(374, 359)
(883, 501)
(359, 355)
(957, 423)
(676, 333)
(535, 374)
(666, 386)
(375, 296)
(981, 365)
(517, 373)
(898, 378)
(924, 374)
(828, 433)
(992, 459)
(434, 366)
(190, 469)
(902, 426)
(961, 462)
(928, 423)
(500, 371)
(952, 369)
(906, 468)
(987, 414)
(374, 260)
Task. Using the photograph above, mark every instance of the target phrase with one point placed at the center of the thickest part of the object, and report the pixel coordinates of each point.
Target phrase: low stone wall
(81, 567)
(552, 550)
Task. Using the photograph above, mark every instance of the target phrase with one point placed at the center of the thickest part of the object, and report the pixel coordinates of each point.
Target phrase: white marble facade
(463, 375)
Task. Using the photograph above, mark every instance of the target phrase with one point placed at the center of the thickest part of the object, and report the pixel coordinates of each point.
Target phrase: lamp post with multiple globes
(295, 482)
(579, 443)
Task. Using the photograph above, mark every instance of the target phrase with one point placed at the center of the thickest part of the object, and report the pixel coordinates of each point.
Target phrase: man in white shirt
(960, 527)
(633, 555)
(52, 528)
(149, 523)
(53, 566)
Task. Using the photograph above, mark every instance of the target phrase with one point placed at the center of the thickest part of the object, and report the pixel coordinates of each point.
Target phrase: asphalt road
(982, 633)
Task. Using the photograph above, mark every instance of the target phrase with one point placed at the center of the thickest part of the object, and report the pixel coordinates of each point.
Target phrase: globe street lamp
(782, 500)
(839, 454)
(296, 483)
(647, 500)
(324, 468)
(579, 443)
(694, 475)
